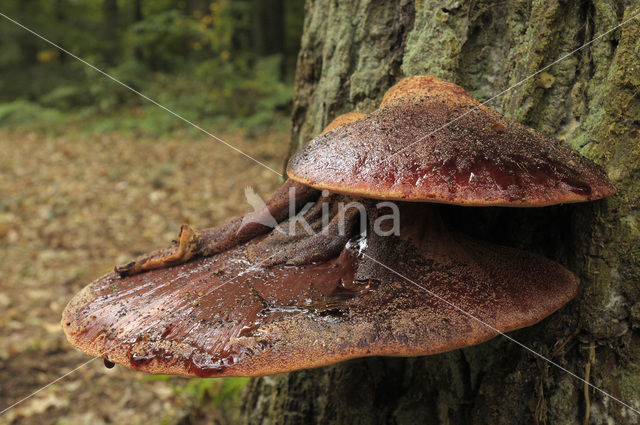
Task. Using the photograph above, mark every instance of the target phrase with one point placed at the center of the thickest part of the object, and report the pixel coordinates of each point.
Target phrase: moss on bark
(351, 53)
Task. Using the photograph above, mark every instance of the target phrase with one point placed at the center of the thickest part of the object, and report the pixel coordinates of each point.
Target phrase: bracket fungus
(430, 141)
(249, 299)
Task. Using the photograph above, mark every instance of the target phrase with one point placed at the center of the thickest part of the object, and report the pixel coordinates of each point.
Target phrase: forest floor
(71, 207)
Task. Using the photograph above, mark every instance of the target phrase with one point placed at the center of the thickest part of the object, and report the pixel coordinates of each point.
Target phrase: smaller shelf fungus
(345, 273)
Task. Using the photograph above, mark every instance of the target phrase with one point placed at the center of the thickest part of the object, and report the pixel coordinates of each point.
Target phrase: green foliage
(197, 58)
(161, 39)
(251, 94)
(22, 113)
(230, 390)
(206, 390)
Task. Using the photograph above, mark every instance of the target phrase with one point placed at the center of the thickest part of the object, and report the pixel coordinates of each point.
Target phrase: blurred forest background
(92, 175)
(222, 63)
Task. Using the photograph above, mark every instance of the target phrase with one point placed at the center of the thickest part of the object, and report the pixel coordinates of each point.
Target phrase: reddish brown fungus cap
(223, 316)
(431, 141)
(343, 119)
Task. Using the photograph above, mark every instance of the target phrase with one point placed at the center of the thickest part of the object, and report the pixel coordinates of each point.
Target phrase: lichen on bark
(351, 53)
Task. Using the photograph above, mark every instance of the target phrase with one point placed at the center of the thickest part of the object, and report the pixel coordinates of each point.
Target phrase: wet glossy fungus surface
(225, 315)
(406, 151)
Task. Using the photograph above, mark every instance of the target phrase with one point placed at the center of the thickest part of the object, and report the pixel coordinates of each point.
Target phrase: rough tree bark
(351, 53)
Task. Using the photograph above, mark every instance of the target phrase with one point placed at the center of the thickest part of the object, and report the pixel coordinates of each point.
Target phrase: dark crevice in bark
(402, 26)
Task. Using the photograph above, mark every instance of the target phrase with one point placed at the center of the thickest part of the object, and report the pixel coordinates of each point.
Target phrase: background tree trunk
(138, 16)
(111, 19)
(352, 52)
(267, 27)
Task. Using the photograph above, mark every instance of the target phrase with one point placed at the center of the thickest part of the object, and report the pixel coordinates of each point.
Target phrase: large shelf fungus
(430, 141)
(217, 316)
(343, 274)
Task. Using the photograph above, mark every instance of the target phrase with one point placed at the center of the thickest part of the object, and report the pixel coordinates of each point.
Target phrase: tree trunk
(137, 11)
(58, 13)
(351, 53)
(267, 27)
(110, 10)
(138, 16)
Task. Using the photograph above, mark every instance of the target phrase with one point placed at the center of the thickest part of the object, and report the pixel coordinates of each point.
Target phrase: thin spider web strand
(527, 348)
(519, 83)
(279, 174)
(175, 114)
(254, 267)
